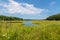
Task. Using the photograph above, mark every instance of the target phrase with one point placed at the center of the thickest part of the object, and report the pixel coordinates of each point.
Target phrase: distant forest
(9, 18)
(54, 17)
(6, 18)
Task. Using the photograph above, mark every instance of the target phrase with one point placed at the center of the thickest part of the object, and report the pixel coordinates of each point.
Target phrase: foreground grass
(46, 30)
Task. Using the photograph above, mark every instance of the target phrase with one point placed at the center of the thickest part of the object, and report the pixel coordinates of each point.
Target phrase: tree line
(54, 17)
(2, 17)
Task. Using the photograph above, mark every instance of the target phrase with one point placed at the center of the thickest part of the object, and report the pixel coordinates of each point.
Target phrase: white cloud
(52, 3)
(23, 8)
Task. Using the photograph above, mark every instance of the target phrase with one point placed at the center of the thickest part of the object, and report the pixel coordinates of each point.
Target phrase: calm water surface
(29, 23)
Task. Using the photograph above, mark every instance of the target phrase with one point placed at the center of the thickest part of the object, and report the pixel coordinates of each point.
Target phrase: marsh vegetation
(16, 30)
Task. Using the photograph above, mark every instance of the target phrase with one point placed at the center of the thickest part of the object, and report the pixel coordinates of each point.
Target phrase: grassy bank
(15, 30)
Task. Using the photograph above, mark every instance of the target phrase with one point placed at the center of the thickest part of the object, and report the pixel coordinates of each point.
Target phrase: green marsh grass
(15, 30)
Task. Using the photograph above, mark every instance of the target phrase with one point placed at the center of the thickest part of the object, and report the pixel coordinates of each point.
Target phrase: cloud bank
(22, 8)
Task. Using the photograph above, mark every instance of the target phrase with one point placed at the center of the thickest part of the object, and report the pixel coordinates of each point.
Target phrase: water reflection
(29, 23)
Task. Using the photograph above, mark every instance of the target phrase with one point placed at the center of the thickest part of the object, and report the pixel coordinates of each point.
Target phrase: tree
(54, 17)
(9, 18)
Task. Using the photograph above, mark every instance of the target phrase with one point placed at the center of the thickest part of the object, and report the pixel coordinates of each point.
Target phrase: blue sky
(29, 9)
